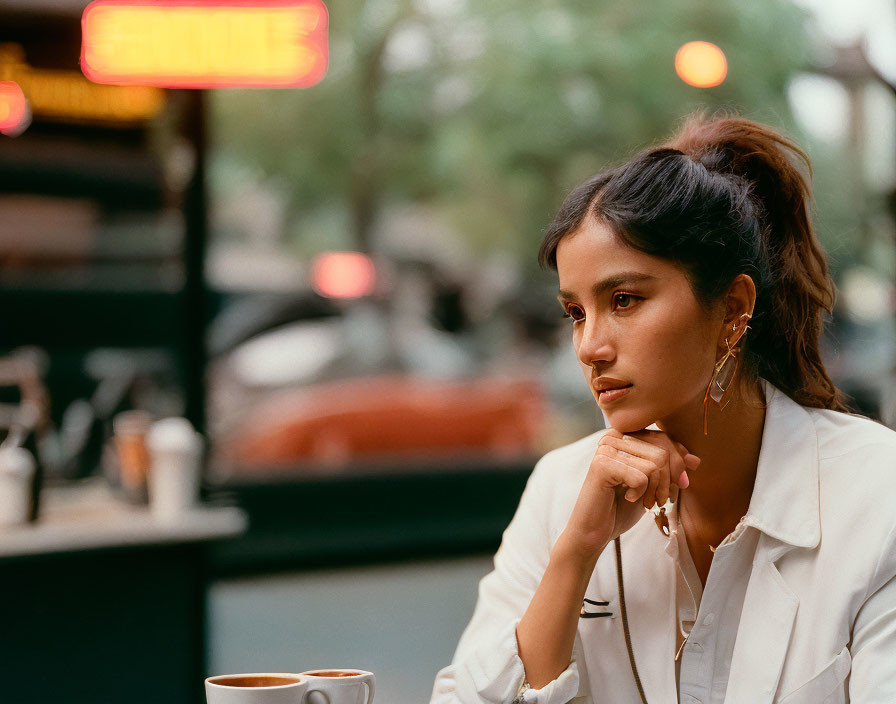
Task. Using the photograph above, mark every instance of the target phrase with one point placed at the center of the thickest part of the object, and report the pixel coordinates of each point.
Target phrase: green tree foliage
(486, 114)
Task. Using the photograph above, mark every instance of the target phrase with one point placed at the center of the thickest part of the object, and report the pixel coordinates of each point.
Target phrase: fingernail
(627, 437)
(631, 495)
(683, 480)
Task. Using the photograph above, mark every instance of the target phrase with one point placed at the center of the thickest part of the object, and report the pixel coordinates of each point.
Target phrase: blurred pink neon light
(13, 106)
(343, 275)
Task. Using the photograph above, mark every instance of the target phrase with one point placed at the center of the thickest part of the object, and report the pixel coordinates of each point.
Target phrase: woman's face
(635, 319)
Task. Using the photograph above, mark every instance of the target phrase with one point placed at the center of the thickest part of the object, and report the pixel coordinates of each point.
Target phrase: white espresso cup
(256, 688)
(339, 686)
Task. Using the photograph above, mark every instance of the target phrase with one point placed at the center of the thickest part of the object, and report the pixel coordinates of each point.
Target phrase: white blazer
(819, 616)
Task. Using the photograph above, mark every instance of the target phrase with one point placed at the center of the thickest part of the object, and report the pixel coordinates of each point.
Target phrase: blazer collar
(784, 504)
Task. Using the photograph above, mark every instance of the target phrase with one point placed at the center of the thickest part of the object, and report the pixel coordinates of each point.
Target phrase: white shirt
(799, 605)
(707, 627)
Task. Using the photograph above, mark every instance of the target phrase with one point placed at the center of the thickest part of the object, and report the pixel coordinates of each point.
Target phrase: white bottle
(175, 452)
(16, 476)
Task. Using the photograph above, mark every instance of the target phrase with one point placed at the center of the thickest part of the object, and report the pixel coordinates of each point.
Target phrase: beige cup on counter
(129, 429)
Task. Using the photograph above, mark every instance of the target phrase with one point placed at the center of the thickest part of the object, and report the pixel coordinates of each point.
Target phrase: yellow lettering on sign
(67, 95)
(204, 45)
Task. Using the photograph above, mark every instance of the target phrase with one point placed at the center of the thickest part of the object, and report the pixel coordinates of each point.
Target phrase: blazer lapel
(784, 507)
(767, 619)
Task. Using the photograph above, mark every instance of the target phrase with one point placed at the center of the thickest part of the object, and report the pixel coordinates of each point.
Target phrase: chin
(628, 422)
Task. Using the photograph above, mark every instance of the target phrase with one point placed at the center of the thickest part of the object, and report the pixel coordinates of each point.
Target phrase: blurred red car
(384, 418)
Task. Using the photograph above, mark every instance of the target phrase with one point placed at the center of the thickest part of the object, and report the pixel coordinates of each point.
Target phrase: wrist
(582, 551)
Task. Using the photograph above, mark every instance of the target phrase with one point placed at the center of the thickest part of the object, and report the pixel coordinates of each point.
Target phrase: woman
(750, 510)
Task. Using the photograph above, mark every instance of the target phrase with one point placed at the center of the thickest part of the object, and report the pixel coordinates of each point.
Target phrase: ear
(739, 303)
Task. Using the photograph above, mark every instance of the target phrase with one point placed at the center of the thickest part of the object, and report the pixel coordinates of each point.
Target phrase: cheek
(684, 358)
(668, 350)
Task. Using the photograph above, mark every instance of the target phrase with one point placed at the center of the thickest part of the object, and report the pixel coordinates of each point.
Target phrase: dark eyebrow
(623, 277)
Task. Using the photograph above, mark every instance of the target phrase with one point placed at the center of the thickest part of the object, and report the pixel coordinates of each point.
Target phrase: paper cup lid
(173, 435)
(17, 461)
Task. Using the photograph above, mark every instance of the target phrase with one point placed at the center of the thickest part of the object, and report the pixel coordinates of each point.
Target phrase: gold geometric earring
(725, 371)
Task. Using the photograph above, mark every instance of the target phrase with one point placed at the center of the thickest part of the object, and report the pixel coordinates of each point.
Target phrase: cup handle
(369, 681)
(315, 696)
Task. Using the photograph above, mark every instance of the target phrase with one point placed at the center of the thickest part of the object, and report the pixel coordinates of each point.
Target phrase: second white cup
(339, 686)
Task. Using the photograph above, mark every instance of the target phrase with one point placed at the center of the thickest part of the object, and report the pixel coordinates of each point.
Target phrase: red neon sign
(343, 275)
(13, 107)
(205, 43)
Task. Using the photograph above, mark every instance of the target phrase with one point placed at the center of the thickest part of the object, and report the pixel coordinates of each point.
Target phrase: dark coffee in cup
(253, 681)
(257, 688)
(331, 673)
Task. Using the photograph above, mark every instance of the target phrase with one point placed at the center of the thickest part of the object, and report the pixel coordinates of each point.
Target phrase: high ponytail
(725, 196)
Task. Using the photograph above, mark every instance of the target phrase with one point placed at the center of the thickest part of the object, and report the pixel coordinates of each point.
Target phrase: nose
(593, 346)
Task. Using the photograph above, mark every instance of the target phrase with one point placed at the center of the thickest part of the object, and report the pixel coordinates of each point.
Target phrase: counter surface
(88, 516)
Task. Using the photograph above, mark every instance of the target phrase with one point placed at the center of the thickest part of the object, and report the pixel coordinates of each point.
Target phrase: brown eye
(575, 312)
(629, 299)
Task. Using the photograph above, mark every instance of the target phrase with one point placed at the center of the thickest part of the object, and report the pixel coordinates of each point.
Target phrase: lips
(614, 388)
(607, 384)
(612, 395)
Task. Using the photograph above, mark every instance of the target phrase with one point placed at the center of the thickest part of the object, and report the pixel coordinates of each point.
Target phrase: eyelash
(615, 296)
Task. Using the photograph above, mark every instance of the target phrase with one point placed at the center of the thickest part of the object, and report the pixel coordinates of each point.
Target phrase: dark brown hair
(723, 197)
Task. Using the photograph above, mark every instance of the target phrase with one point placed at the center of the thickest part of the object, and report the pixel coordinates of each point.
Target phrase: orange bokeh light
(343, 275)
(205, 43)
(13, 106)
(701, 64)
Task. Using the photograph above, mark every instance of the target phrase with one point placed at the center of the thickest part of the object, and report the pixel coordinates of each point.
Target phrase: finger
(678, 468)
(658, 438)
(617, 473)
(655, 449)
(682, 450)
(691, 460)
(639, 448)
(679, 457)
(649, 497)
(610, 449)
(662, 491)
